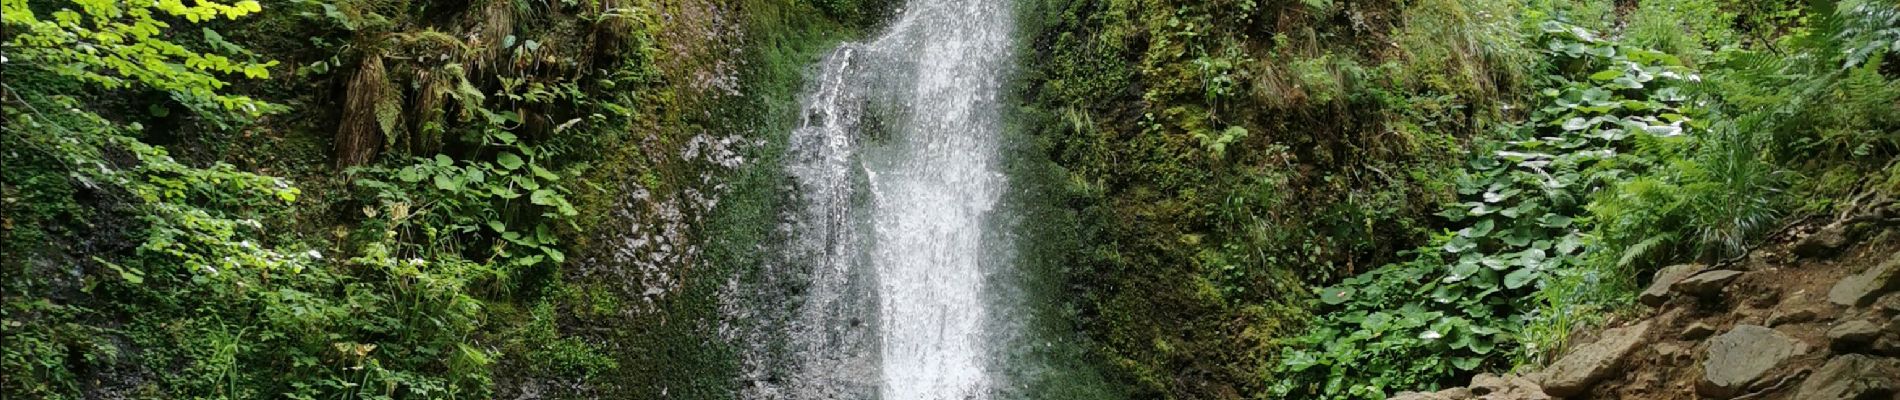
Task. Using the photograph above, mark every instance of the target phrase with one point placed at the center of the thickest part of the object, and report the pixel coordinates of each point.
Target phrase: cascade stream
(895, 166)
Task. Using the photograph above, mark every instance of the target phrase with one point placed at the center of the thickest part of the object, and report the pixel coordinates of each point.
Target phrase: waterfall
(895, 167)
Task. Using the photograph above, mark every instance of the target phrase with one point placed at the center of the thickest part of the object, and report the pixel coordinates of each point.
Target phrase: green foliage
(121, 44)
(1681, 28)
(445, 206)
(155, 276)
(1224, 151)
(1825, 112)
(1463, 303)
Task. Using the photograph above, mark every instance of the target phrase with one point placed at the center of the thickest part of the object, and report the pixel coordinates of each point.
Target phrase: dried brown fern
(491, 29)
(360, 135)
(433, 85)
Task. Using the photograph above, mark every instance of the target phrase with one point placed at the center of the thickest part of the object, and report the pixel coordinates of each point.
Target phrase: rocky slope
(1812, 316)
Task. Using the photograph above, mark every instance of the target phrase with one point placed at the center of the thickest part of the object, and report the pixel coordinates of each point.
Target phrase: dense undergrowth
(363, 199)
(1466, 180)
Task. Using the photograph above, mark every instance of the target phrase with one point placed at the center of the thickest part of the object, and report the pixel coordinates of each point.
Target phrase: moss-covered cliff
(484, 199)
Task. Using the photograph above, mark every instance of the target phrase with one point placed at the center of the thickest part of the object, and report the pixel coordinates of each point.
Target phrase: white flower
(1430, 335)
(314, 254)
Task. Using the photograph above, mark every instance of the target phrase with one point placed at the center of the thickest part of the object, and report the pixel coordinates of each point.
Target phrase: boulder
(1575, 372)
(1706, 283)
(1889, 303)
(1852, 335)
(1792, 316)
(1674, 353)
(1863, 288)
(1419, 396)
(1447, 394)
(1658, 291)
(1887, 346)
(1456, 393)
(1823, 243)
(1507, 387)
(1697, 331)
(1740, 357)
(1851, 377)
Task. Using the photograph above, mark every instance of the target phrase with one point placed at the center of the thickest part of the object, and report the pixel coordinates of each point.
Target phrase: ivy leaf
(543, 173)
(509, 160)
(1477, 230)
(527, 183)
(1519, 237)
(445, 182)
(474, 175)
(1300, 361)
(1576, 124)
(1466, 363)
(543, 235)
(1495, 263)
(543, 197)
(498, 226)
(1520, 277)
(1596, 95)
(1531, 258)
(1607, 74)
(1459, 244)
(1493, 197)
(1336, 295)
(1445, 294)
(1462, 270)
(1452, 214)
(554, 255)
(410, 174)
(1482, 344)
(443, 161)
(1627, 82)
(1569, 243)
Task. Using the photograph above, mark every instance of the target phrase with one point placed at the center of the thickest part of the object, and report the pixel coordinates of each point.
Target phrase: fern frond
(1646, 249)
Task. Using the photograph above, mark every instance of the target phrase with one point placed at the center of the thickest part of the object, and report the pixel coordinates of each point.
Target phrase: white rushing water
(896, 170)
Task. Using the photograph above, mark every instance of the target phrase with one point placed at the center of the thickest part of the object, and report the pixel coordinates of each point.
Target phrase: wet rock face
(1852, 377)
(1742, 357)
(1575, 372)
(1863, 288)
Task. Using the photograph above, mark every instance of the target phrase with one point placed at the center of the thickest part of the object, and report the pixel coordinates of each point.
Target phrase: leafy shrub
(151, 276)
(1462, 303)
